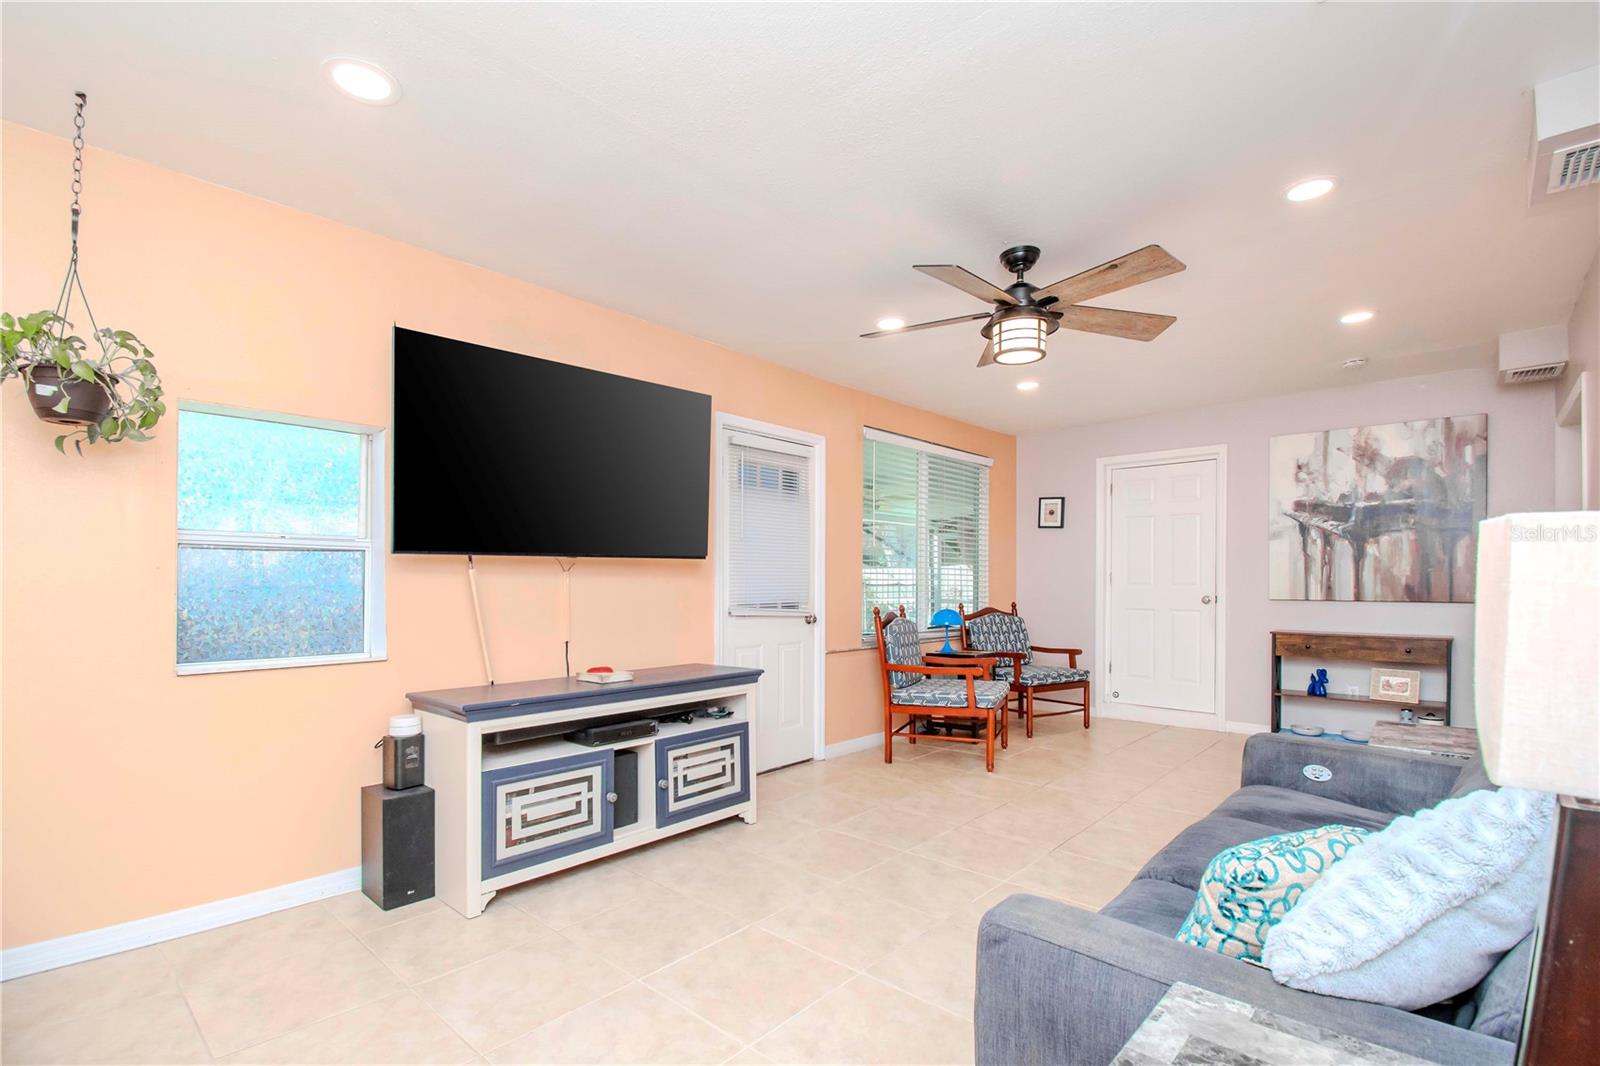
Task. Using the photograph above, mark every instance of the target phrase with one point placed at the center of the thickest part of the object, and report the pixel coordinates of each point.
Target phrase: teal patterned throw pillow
(1248, 889)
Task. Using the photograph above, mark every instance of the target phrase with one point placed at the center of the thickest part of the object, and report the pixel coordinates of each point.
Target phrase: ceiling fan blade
(967, 282)
(929, 325)
(1135, 268)
(1134, 325)
(988, 355)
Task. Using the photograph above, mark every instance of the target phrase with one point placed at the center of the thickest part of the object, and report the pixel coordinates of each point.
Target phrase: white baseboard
(80, 947)
(1157, 716)
(845, 747)
(1128, 712)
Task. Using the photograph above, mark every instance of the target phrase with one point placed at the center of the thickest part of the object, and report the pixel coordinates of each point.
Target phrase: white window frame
(370, 540)
(870, 433)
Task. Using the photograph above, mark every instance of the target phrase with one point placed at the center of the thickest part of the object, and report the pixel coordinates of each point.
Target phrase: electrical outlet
(1352, 690)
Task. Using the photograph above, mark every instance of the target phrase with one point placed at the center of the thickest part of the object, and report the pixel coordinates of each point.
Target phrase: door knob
(662, 784)
(811, 619)
(1205, 599)
(611, 797)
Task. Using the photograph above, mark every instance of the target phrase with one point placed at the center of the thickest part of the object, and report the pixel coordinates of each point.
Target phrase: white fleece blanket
(1425, 907)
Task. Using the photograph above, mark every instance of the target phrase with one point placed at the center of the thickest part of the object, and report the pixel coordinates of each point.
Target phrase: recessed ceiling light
(1352, 318)
(1355, 364)
(891, 323)
(1027, 386)
(361, 80)
(1309, 189)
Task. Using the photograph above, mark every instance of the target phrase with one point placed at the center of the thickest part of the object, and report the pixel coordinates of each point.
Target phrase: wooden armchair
(1005, 635)
(919, 691)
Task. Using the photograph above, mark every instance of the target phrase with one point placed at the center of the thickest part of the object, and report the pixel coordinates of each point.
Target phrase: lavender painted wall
(1583, 356)
(1055, 568)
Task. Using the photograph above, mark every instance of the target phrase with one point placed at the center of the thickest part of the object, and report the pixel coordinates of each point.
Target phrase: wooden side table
(957, 657)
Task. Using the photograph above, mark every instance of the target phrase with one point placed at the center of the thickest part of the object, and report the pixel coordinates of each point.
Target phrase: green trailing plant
(123, 370)
(105, 388)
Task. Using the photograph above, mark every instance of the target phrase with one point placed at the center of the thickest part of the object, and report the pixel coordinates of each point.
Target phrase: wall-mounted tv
(503, 454)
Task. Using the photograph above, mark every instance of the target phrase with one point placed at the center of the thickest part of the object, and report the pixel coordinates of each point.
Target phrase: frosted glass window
(237, 604)
(277, 525)
(251, 476)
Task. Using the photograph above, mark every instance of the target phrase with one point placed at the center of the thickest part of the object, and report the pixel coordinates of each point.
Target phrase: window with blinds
(924, 528)
(769, 526)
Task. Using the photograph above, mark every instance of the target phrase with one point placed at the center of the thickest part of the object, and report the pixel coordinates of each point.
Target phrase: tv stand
(509, 813)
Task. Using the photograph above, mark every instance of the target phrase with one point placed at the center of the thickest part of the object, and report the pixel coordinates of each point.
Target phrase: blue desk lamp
(947, 618)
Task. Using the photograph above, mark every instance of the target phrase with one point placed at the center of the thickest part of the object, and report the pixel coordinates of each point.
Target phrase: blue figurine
(1319, 684)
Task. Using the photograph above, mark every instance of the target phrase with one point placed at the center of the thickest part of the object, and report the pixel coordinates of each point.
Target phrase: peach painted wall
(130, 791)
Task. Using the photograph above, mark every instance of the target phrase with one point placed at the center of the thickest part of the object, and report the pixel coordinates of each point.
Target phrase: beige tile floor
(840, 928)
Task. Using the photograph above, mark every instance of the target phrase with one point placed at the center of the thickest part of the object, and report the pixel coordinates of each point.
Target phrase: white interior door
(768, 515)
(1162, 588)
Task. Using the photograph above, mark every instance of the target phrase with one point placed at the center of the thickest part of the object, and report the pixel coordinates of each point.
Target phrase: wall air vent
(1575, 167)
(1527, 374)
(1533, 355)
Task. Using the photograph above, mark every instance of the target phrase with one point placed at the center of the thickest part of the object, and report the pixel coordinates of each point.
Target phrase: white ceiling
(764, 176)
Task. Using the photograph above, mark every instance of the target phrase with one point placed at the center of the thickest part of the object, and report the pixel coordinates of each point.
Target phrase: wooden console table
(515, 800)
(1378, 649)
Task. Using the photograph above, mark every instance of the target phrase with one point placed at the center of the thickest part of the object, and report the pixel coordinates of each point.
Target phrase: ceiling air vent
(1566, 134)
(1575, 167)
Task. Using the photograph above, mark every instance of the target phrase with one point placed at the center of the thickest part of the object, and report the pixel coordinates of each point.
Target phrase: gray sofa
(1065, 986)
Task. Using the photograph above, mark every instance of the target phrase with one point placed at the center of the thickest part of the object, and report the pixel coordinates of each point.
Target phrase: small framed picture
(1396, 686)
(1052, 512)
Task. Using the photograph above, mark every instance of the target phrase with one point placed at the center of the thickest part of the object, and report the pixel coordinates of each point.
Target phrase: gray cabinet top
(478, 703)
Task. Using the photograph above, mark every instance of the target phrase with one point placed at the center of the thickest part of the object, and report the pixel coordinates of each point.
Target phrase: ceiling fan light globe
(1019, 339)
(1020, 357)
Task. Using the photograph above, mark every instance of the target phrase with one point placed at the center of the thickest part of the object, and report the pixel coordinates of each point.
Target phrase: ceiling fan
(1024, 315)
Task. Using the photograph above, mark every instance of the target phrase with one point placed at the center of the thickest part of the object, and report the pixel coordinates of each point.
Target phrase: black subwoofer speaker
(396, 845)
(625, 782)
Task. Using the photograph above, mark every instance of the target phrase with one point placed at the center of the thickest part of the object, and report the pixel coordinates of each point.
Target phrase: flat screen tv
(503, 454)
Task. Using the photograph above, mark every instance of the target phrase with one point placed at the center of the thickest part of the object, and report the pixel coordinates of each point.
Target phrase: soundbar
(613, 732)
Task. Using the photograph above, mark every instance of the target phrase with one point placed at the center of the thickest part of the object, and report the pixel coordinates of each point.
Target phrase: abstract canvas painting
(1378, 513)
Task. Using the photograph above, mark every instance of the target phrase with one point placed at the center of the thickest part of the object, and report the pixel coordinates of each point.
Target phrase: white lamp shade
(1538, 651)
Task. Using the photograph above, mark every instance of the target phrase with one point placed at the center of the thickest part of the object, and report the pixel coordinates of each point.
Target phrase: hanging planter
(106, 388)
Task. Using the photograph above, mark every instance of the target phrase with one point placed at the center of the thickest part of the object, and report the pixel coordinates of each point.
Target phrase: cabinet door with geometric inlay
(702, 772)
(545, 810)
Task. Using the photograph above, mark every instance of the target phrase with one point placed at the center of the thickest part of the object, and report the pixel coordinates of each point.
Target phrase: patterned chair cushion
(902, 646)
(1042, 674)
(949, 692)
(1000, 632)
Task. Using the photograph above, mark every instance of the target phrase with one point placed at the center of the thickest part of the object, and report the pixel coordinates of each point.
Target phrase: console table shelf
(509, 813)
(1412, 652)
(1426, 705)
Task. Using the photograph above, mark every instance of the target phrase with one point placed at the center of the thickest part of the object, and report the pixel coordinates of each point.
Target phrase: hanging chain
(72, 280)
(77, 168)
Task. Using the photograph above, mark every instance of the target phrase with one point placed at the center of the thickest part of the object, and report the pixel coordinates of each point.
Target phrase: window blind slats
(769, 531)
(925, 531)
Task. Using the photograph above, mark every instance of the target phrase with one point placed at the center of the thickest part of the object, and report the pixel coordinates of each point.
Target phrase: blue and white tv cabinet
(508, 813)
